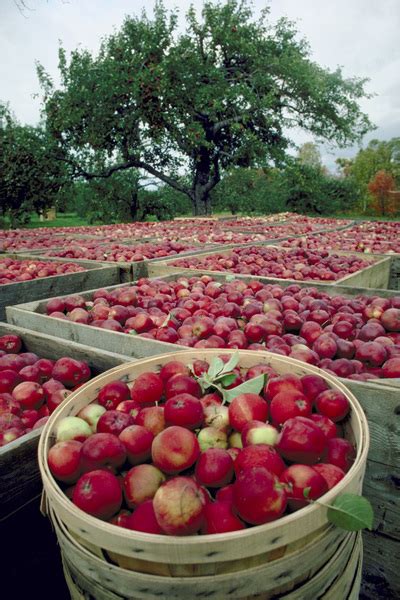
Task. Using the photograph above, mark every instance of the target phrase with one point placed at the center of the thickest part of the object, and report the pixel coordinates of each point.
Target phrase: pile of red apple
(164, 455)
(268, 261)
(356, 337)
(12, 271)
(18, 239)
(96, 250)
(369, 238)
(31, 388)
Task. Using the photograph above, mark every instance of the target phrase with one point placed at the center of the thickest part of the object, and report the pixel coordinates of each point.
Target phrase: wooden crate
(129, 271)
(299, 550)
(380, 399)
(94, 275)
(20, 479)
(376, 275)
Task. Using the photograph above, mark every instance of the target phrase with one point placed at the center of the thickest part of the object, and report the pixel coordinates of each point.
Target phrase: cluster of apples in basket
(355, 337)
(298, 264)
(13, 271)
(31, 388)
(187, 450)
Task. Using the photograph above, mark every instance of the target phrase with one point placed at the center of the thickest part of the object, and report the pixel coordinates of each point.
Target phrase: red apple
(102, 450)
(152, 418)
(184, 410)
(112, 394)
(179, 506)
(302, 483)
(137, 441)
(113, 421)
(220, 518)
(257, 496)
(64, 459)
(260, 455)
(29, 394)
(214, 468)
(332, 404)
(141, 483)
(175, 449)
(98, 493)
(245, 408)
(339, 452)
(144, 519)
(289, 404)
(148, 388)
(301, 441)
(331, 473)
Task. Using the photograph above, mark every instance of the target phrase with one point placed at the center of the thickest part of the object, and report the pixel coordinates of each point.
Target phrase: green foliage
(162, 204)
(309, 154)
(377, 156)
(32, 170)
(311, 190)
(305, 186)
(251, 191)
(218, 96)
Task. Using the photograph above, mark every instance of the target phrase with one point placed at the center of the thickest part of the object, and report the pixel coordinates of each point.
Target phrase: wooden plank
(381, 487)
(381, 405)
(376, 275)
(94, 275)
(381, 573)
(20, 478)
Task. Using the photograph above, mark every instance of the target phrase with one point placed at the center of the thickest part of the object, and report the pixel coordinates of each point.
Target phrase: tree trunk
(134, 207)
(201, 181)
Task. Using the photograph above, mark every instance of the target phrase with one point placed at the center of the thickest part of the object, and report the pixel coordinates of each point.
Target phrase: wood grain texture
(20, 478)
(381, 405)
(381, 573)
(334, 571)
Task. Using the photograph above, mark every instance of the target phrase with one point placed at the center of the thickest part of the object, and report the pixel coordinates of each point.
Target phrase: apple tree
(31, 174)
(223, 93)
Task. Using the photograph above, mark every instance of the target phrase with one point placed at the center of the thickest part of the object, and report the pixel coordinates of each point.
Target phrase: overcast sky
(362, 36)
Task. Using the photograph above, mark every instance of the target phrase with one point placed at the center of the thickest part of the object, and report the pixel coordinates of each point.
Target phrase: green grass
(62, 220)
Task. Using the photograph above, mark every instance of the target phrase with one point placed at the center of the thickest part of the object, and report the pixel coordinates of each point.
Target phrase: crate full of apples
(200, 448)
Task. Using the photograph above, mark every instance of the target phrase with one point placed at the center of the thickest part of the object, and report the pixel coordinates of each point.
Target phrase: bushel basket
(299, 556)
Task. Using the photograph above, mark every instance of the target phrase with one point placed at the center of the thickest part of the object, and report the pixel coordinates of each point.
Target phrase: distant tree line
(214, 103)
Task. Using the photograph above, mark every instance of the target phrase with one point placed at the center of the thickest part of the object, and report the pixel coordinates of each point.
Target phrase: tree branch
(128, 164)
(218, 126)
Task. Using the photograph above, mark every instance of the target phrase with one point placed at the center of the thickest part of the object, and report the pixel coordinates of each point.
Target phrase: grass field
(62, 220)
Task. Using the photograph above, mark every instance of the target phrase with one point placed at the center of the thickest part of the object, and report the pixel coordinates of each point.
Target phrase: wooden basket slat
(267, 578)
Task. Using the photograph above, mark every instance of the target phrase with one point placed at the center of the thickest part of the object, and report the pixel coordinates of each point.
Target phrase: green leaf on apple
(251, 386)
(228, 379)
(351, 512)
(216, 367)
(232, 363)
(306, 492)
